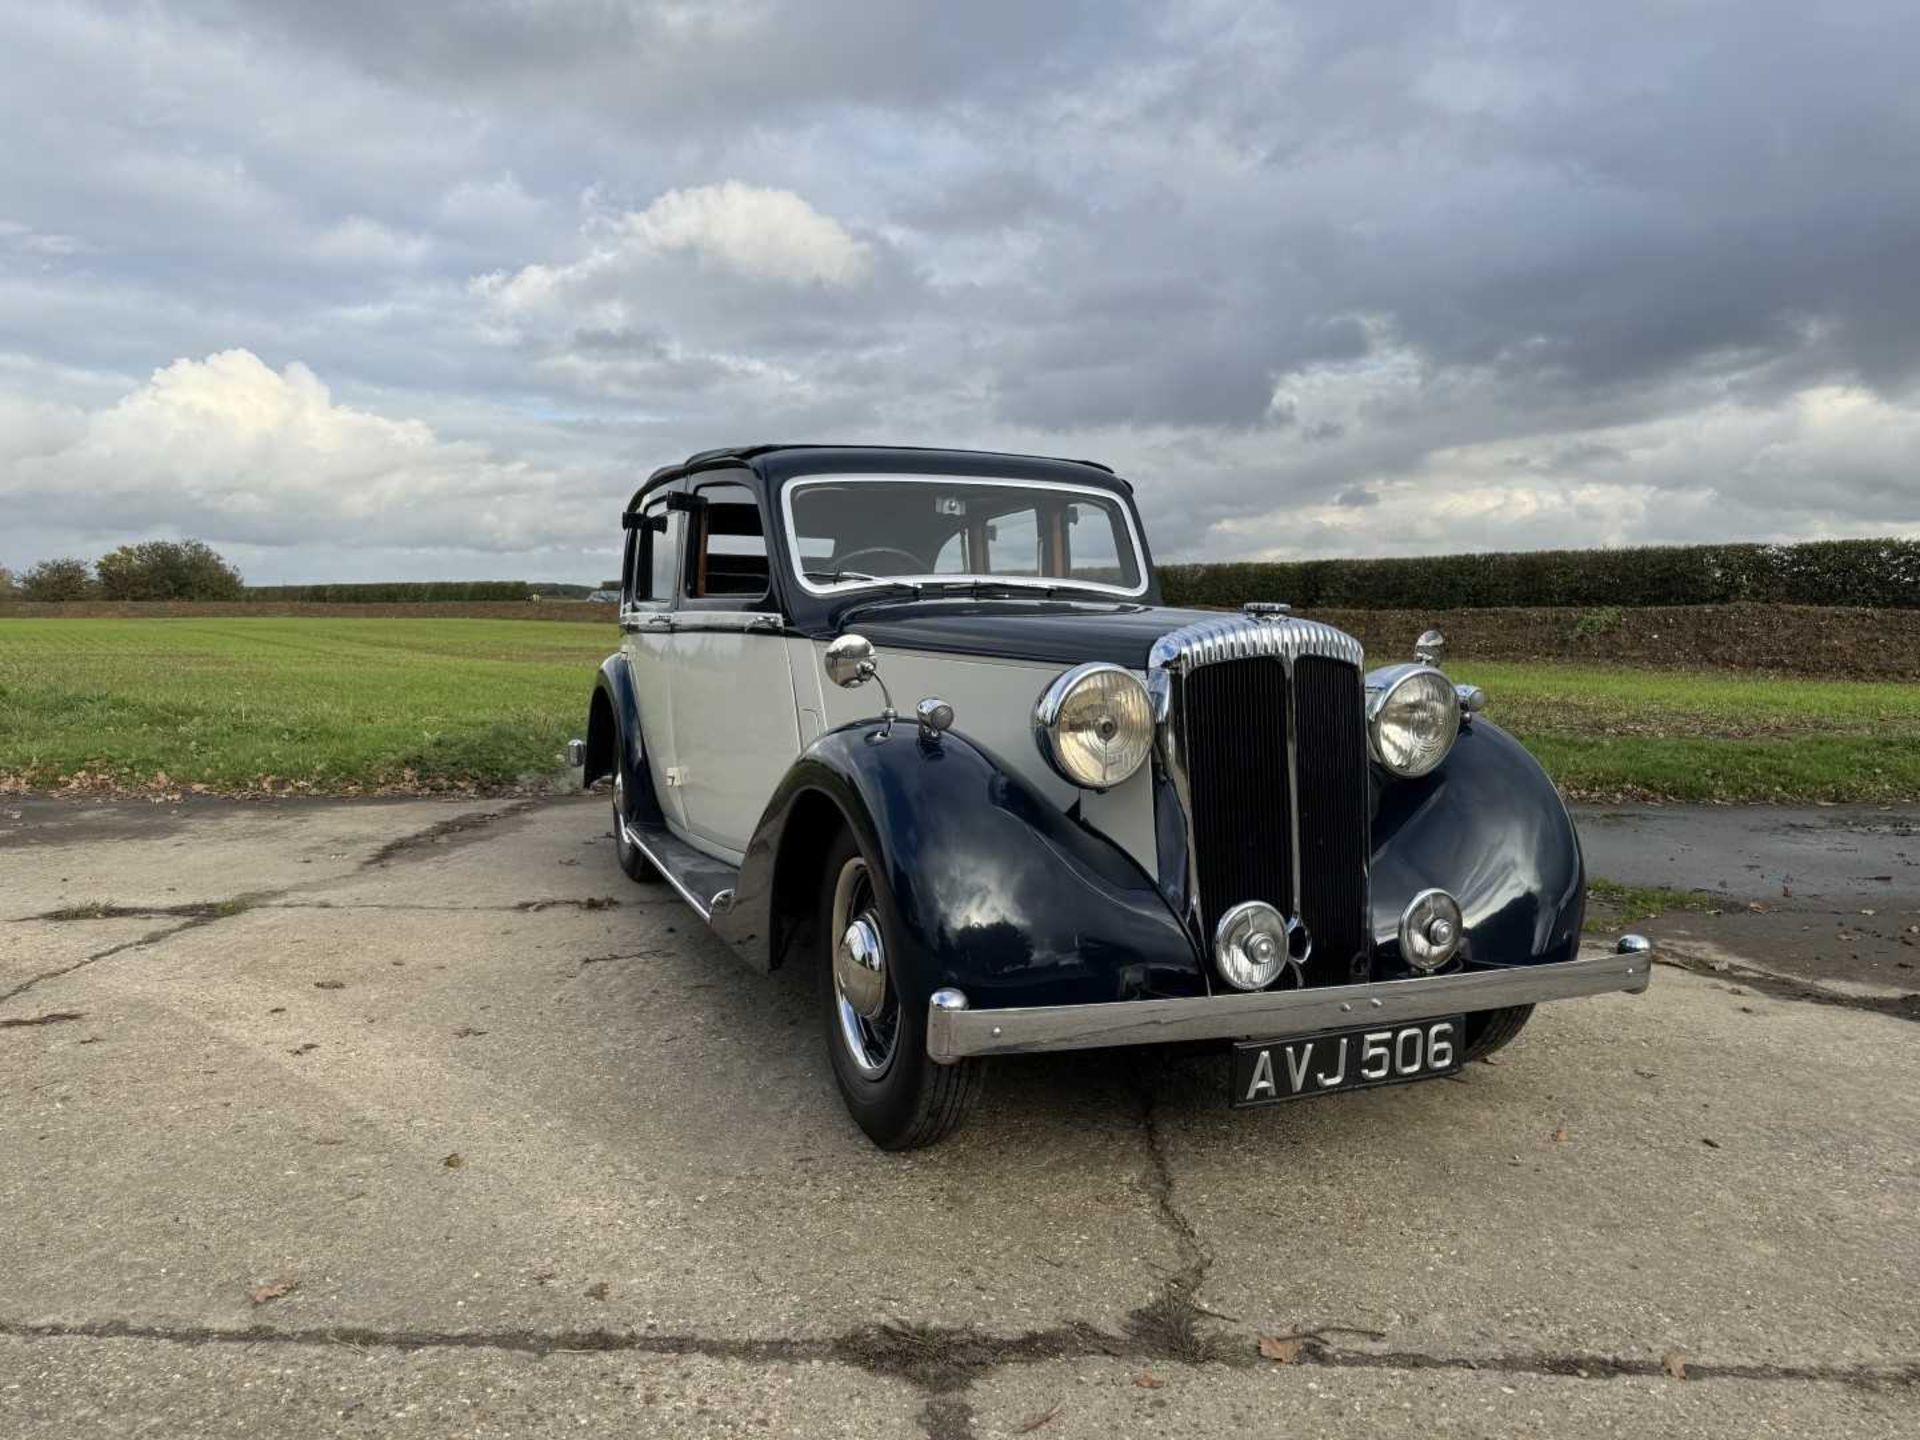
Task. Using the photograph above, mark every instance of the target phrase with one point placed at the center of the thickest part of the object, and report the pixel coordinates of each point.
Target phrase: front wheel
(1491, 1030)
(876, 1023)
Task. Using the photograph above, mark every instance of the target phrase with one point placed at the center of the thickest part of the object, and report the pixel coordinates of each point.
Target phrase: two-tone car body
(918, 720)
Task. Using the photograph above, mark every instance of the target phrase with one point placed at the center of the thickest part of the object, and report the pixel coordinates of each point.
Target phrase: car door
(646, 622)
(735, 724)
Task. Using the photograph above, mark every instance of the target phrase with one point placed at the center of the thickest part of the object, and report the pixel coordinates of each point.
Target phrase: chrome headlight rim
(1382, 686)
(1054, 700)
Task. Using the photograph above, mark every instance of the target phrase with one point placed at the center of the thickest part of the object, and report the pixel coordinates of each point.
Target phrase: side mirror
(1429, 647)
(850, 661)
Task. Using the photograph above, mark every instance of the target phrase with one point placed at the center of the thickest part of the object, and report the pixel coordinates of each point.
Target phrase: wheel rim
(865, 1006)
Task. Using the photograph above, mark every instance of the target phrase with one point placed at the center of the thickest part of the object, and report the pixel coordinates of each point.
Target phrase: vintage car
(1098, 821)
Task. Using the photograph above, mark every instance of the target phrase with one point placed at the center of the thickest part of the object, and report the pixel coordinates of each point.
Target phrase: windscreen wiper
(978, 585)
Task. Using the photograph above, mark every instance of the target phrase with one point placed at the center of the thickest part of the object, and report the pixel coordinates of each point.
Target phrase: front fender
(1490, 828)
(995, 889)
(614, 739)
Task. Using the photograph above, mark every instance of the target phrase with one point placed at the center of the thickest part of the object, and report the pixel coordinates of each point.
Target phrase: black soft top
(775, 464)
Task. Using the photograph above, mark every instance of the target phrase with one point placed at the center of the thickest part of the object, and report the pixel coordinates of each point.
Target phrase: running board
(703, 882)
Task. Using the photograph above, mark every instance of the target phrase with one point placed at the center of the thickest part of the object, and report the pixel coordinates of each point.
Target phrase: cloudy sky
(365, 289)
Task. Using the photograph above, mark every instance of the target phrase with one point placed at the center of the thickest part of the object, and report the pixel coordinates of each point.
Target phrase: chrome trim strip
(1295, 886)
(1273, 1014)
(1061, 582)
(743, 622)
(701, 907)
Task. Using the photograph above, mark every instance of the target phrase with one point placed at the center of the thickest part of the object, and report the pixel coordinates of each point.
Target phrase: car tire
(1491, 1030)
(878, 1046)
(633, 860)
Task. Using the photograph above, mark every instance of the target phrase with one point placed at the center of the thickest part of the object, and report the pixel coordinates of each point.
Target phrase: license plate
(1268, 1071)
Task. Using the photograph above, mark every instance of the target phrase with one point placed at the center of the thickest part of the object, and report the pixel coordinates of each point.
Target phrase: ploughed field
(330, 705)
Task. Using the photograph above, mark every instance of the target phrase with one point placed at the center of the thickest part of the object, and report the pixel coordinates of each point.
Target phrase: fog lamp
(1430, 930)
(1254, 943)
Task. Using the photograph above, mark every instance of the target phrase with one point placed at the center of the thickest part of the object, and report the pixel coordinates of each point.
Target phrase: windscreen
(850, 531)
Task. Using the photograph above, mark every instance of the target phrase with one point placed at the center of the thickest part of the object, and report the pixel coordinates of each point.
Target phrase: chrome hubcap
(864, 1003)
(860, 967)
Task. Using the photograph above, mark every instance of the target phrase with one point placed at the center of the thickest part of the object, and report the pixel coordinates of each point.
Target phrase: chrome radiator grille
(1266, 738)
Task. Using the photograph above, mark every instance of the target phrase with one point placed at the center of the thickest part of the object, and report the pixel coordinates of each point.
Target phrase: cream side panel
(993, 704)
(734, 731)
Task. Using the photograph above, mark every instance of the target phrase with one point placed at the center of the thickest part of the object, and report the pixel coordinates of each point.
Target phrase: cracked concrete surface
(533, 1162)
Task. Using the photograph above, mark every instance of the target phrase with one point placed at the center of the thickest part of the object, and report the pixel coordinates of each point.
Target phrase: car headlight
(1413, 718)
(1095, 725)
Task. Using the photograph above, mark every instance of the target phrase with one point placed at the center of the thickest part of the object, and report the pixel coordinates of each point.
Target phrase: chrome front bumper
(954, 1031)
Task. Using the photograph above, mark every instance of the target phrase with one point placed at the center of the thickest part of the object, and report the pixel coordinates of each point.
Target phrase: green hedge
(397, 592)
(1877, 573)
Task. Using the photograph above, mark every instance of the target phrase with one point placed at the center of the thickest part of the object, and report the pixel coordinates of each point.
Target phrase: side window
(650, 555)
(728, 557)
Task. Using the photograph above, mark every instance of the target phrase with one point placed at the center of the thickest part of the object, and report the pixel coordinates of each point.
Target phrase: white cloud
(231, 450)
(752, 233)
(767, 234)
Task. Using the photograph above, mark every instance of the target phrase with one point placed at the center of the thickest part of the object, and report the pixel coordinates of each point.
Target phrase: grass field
(323, 704)
(1704, 735)
(334, 705)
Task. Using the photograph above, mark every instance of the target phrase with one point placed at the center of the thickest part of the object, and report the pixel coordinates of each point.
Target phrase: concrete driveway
(419, 1119)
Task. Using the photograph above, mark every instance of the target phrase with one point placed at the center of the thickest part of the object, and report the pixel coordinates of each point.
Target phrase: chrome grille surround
(1237, 637)
(1284, 638)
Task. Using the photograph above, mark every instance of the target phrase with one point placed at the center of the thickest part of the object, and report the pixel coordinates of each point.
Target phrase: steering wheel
(914, 563)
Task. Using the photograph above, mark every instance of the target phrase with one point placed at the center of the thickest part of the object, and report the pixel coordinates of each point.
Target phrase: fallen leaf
(329, 984)
(1560, 1136)
(1148, 1381)
(467, 1032)
(1675, 1364)
(454, 1161)
(1281, 1350)
(597, 1290)
(272, 1290)
(1709, 1143)
(305, 1049)
(1028, 1426)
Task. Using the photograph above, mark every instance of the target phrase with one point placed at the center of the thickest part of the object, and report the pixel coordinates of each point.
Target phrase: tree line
(151, 570)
